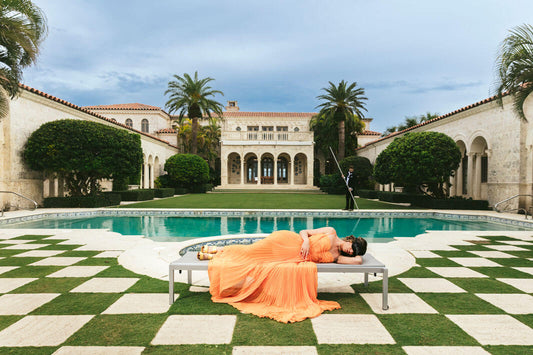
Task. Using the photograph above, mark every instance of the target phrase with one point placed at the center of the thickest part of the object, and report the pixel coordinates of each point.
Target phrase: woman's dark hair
(358, 245)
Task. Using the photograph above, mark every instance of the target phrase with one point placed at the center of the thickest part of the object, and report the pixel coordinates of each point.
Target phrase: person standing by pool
(350, 189)
(277, 277)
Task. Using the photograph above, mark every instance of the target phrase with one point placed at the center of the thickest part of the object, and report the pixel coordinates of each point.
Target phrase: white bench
(370, 264)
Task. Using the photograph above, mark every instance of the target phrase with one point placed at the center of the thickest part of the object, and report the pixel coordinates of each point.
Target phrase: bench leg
(189, 277)
(385, 289)
(366, 279)
(171, 285)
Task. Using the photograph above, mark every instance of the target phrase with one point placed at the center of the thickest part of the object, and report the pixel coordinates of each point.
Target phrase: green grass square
(418, 272)
(5, 245)
(6, 253)
(31, 236)
(79, 253)
(117, 271)
(521, 253)
(32, 271)
(6, 321)
(432, 262)
(425, 329)
(51, 285)
(496, 238)
(78, 303)
(527, 319)
(203, 349)
(150, 285)
(365, 349)
(61, 247)
(478, 247)
(44, 350)
(47, 241)
(513, 262)
(509, 349)
(395, 286)
(459, 303)
(97, 262)
(119, 330)
(252, 330)
(199, 303)
(483, 285)
(501, 272)
(350, 303)
(18, 261)
(453, 253)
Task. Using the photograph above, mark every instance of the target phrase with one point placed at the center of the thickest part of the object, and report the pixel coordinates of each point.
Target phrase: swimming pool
(166, 226)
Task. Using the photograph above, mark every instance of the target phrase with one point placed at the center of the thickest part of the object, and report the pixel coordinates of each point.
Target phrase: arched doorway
(283, 168)
(459, 181)
(267, 169)
(234, 168)
(300, 169)
(251, 168)
(478, 173)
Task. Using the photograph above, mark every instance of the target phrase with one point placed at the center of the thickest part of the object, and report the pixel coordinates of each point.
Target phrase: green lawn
(261, 201)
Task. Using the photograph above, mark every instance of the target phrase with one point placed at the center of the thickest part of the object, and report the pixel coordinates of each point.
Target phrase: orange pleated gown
(270, 278)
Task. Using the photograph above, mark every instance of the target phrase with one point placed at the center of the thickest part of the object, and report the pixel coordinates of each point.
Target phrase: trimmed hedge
(106, 199)
(181, 191)
(164, 192)
(367, 193)
(453, 204)
(137, 195)
(396, 197)
(201, 189)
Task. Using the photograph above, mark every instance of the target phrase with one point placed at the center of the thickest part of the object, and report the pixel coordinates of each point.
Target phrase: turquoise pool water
(165, 228)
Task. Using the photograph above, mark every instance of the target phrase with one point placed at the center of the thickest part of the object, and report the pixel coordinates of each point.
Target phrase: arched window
(145, 127)
(129, 122)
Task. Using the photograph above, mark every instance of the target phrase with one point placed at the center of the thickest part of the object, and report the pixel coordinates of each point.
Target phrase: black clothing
(350, 180)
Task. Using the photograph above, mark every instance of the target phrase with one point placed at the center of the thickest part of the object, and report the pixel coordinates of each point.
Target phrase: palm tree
(190, 96)
(515, 67)
(342, 103)
(22, 29)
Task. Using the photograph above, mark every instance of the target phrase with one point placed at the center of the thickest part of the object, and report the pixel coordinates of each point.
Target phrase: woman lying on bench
(277, 277)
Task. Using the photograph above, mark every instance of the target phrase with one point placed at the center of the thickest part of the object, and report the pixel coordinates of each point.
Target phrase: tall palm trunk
(342, 132)
(194, 134)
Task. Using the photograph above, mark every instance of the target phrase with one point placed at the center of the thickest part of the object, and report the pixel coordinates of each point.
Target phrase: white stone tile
(474, 262)
(58, 261)
(431, 285)
(506, 248)
(23, 303)
(336, 289)
(424, 254)
(78, 271)
(513, 303)
(39, 253)
(99, 350)
(9, 284)
(444, 350)
(139, 303)
(198, 289)
(196, 329)
(525, 285)
(528, 270)
(42, 330)
(492, 254)
(516, 242)
(26, 246)
(350, 329)
(489, 329)
(274, 350)
(4, 269)
(455, 272)
(109, 254)
(398, 303)
(106, 284)
(16, 241)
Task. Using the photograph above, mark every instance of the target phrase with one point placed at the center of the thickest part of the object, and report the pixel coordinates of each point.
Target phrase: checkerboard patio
(64, 299)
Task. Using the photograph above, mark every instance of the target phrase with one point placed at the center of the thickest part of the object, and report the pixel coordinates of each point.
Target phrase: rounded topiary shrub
(186, 170)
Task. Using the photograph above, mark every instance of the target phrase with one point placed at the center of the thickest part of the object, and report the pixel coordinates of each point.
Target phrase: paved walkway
(64, 292)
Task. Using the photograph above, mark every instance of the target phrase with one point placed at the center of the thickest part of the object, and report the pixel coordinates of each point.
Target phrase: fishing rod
(346, 182)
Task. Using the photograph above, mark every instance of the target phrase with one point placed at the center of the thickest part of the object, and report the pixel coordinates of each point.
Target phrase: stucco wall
(157, 119)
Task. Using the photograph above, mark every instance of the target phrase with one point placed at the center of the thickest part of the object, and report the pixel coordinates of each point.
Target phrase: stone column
(242, 171)
(151, 174)
(145, 182)
(259, 171)
(60, 187)
(470, 175)
(459, 180)
(52, 192)
(477, 178)
(310, 172)
(291, 172)
(275, 171)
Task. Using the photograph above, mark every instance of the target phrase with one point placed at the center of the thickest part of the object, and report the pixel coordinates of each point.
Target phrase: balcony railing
(267, 136)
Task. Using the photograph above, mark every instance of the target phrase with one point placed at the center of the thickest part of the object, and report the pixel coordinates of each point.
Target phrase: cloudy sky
(410, 56)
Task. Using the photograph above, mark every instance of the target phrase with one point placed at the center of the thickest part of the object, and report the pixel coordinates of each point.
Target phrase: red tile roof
(369, 133)
(237, 114)
(462, 109)
(132, 106)
(85, 110)
(166, 130)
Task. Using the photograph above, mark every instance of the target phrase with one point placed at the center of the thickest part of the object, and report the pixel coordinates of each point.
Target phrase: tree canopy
(22, 29)
(191, 97)
(514, 66)
(411, 121)
(340, 104)
(422, 159)
(186, 170)
(84, 152)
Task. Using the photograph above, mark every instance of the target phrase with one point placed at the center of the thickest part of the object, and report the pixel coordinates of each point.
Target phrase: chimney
(232, 106)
